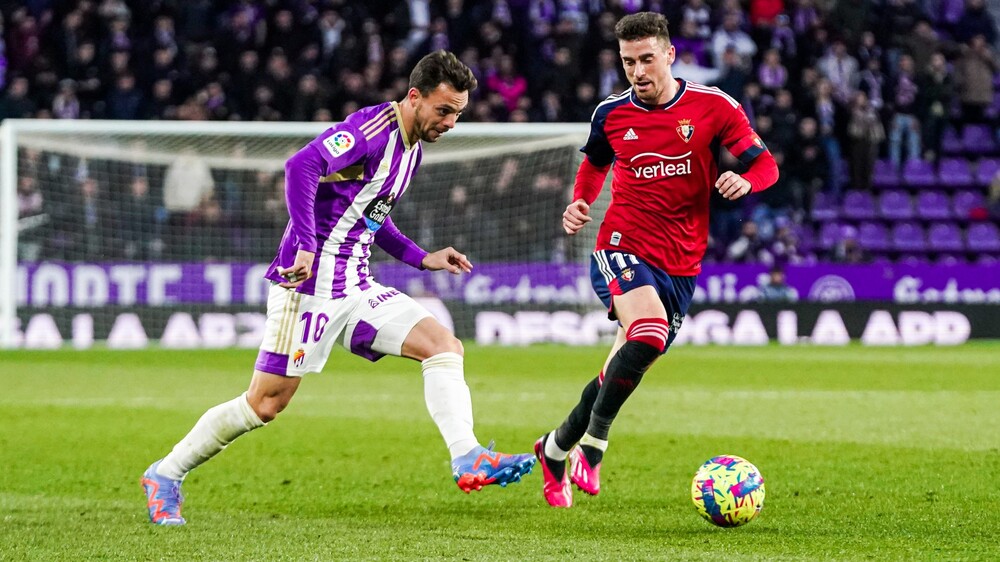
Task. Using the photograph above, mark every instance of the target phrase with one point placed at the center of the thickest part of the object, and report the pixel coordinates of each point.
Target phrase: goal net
(140, 233)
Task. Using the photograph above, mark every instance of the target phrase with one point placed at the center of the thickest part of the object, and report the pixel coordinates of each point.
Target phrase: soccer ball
(728, 491)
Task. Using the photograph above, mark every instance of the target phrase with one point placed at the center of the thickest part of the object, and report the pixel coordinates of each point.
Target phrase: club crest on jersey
(378, 210)
(299, 357)
(628, 274)
(685, 129)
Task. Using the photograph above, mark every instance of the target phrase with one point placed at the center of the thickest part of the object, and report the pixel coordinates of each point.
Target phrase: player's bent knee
(454, 345)
(448, 344)
(267, 406)
(268, 409)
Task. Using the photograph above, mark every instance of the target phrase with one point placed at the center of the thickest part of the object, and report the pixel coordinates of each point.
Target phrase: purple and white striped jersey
(339, 189)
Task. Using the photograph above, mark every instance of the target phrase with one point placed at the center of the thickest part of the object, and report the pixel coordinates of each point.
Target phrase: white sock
(552, 450)
(216, 428)
(591, 441)
(449, 401)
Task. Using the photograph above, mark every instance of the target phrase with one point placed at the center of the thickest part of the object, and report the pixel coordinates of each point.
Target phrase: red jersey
(665, 168)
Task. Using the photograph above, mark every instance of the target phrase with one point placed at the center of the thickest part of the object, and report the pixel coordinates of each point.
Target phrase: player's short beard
(651, 97)
(423, 133)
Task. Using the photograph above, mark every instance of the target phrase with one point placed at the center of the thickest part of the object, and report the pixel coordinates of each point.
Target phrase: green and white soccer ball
(728, 491)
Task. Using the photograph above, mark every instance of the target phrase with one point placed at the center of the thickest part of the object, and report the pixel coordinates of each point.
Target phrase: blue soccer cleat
(484, 466)
(163, 497)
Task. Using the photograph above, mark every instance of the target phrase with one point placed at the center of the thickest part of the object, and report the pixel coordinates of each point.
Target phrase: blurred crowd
(97, 209)
(830, 85)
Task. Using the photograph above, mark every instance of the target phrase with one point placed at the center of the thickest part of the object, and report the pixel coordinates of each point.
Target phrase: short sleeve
(598, 149)
(341, 146)
(738, 136)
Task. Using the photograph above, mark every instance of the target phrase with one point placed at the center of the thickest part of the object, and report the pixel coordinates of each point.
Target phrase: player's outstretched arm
(300, 271)
(448, 258)
(576, 216)
(397, 245)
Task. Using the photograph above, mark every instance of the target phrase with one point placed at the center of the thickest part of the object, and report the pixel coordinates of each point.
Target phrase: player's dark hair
(642, 25)
(442, 67)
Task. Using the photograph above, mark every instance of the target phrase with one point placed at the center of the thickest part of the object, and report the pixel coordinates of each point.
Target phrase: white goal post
(67, 154)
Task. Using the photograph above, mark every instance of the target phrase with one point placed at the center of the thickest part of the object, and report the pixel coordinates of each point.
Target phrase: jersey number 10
(321, 321)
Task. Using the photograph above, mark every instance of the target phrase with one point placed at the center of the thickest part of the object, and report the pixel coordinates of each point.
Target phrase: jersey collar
(402, 129)
(680, 92)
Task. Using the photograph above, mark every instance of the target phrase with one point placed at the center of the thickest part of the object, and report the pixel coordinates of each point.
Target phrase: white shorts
(301, 330)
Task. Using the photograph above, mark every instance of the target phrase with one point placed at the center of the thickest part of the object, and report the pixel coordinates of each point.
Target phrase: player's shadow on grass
(709, 530)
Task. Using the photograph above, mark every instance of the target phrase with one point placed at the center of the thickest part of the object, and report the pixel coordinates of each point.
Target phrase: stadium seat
(950, 12)
(933, 205)
(845, 173)
(919, 173)
(824, 207)
(951, 143)
(987, 259)
(895, 205)
(948, 259)
(964, 202)
(858, 205)
(912, 259)
(994, 109)
(978, 139)
(908, 237)
(955, 173)
(873, 236)
(884, 175)
(986, 170)
(805, 236)
(807, 258)
(829, 234)
(945, 237)
(983, 237)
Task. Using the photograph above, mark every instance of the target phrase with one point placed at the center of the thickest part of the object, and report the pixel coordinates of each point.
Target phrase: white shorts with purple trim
(301, 330)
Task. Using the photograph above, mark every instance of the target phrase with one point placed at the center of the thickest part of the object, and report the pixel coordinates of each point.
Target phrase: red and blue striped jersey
(665, 164)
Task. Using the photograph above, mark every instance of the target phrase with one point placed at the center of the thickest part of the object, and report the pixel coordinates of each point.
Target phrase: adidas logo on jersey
(630, 135)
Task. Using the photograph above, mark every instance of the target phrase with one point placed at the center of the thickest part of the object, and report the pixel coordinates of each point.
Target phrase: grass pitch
(868, 454)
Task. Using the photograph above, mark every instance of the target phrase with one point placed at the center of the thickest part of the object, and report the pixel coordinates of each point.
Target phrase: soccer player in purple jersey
(339, 190)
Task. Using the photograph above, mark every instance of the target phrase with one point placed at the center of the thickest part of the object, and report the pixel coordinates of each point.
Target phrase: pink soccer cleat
(586, 477)
(557, 493)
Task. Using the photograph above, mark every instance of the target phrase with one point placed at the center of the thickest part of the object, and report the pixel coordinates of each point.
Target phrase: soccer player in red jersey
(661, 140)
